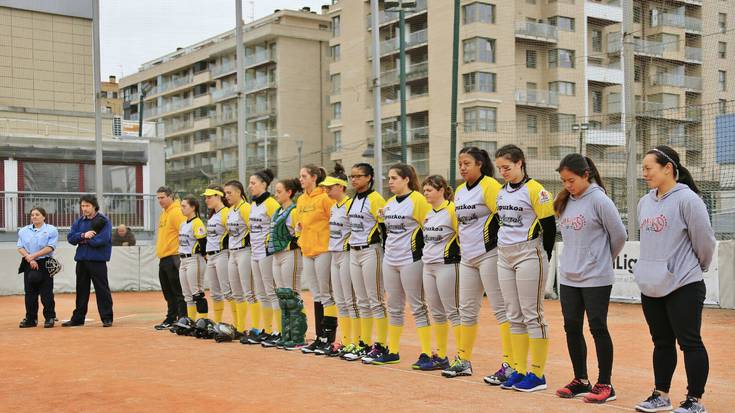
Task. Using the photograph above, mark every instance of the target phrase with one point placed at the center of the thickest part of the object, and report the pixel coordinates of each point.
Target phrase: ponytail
(367, 169)
(407, 171)
(514, 154)
(482, 157)
(665, 155)
(581, 166)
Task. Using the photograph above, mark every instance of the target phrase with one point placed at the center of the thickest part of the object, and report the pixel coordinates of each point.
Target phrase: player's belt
(213, 252)
(186, 255)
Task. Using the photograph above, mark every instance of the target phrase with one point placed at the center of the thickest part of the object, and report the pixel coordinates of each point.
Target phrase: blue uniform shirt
(34, 239)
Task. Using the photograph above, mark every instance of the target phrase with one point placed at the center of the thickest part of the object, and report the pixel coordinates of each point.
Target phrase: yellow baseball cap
(212, 192)
(330, 180)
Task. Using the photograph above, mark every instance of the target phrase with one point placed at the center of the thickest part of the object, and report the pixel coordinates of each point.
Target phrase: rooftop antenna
(251, 12)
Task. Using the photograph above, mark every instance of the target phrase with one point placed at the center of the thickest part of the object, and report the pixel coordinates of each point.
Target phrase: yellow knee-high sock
(520, 352)
(356, 330)
(191, 311)
(425, 339)
(394, 338)
(242, 316)
(382, 330)
(539, 352)
(330, 311)
(367, 330)
(219, 308)
(469, 335)
(345, 327)
(233, 310)
(441, 331)
(457, 337)
(255, 316)
(506, 343)
(267, 315)
(278, 320)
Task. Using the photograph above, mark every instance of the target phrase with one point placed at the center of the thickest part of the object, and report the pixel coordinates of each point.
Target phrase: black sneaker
(311, 347)
(26, 323)
(271, 340)
(165, 324)
(376, 352)
(72, 323)
(252, 334)
(322, 348)
(262, 335)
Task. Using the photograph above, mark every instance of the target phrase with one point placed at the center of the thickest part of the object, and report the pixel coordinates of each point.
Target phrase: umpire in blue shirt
(92, 234)
(36, 243)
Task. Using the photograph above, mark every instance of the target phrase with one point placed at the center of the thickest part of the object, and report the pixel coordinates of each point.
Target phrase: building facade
(110, 97)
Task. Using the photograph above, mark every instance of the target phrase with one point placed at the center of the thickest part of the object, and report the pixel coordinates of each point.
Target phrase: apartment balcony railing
(260, 110)
(682, 81)
(174, 83)
(225, 92)
(225, 117)
(412, 39)
(535, 97)
(221, 69)
(255, 84)
(176, 105)
(174, 127)
(537, 31)
(259, 58)
(693, 53)
(385, 17)
(413, 72)
(681, 21)
(413, 136)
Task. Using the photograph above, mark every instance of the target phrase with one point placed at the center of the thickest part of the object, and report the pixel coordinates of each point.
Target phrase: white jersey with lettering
(262, 209)
(441, 244)
(364, 219)
(238, 225)
(520, 210)
(476, 209)
(339, 226)
(217, 230)
(404, 215)
(190, 233)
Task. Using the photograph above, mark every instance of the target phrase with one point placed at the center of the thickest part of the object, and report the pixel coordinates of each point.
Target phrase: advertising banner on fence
(625, 287)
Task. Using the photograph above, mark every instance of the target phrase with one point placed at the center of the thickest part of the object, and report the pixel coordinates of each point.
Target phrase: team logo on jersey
(654, 224)
(511, 221)
(544, 196)
(200, 230)
(574, 223)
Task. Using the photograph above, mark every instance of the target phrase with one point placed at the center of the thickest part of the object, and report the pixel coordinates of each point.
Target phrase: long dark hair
(222, 198)
(292, 185)
(665, 155)
(193, 202)
(265, 175)
(581, 166)
(438, 182)
(316, 170)
(481, 156)
(407, 171)
(237, 184)
(368, 170)
(339, 172)
(514, 154)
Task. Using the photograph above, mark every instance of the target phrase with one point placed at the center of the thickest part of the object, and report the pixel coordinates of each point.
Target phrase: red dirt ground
(133, 368)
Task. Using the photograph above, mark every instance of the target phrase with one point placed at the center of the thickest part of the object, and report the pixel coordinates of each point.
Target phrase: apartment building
(529, 70)
(193, 93)
(110, 97)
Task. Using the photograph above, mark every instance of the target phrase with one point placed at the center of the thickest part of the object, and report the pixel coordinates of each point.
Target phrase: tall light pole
(453, 116)
(97, 110)
(377, 121)
(629, 119)
(242, 158)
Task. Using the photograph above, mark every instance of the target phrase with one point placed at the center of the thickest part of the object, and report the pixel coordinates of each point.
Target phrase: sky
(135, 31)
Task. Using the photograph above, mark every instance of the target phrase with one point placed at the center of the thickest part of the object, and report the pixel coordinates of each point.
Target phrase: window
(561, 58)
(561, 151)
(335, 26)
(636, 14)
(337, 139)
(531, 58)
(637, 73)
(490, 146)
(336, 80)
(335, 51)
(479, 49)
(563, 23)
(722, 80)
(480, 119)
(722, 22)
(561, 122)
(532, 124)
(596, 101)
(563, 88)
(532, 152)
(478, 13)
(596, 40)
(116, 178)
(479, 82)
(722, 50)
(337, 111)
(723, 106)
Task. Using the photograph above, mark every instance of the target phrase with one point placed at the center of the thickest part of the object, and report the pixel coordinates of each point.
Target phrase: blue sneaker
(423, 363)
(439, 363)
(511, 381)
(531, 383)
(387, 358)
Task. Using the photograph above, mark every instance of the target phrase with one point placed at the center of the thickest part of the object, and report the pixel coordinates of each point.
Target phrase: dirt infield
(133, 368)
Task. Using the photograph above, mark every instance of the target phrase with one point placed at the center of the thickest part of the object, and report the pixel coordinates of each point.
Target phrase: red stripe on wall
(139, 179)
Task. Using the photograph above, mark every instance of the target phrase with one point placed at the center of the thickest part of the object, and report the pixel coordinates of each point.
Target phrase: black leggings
(594, 300)
(678, 317)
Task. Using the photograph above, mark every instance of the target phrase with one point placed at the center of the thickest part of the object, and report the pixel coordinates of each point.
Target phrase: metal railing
(668, 79)
(537, 97)
(255, 84)
(412, 39)
(226, 91)
(137, 211)
(384, 17)
(173, 84)
(413, 72)
(175, 105)
(258, 58)
(175, 126)
(693, 53)
(537, 30)
(260, 109)
(414, 136)
(223, 68)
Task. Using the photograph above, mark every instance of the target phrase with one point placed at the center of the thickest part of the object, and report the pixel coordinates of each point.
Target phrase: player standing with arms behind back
(677, 246)
(525, 243)
(593, 236)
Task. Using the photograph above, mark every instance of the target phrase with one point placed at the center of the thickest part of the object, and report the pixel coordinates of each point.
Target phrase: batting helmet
(224, 332)
(184, 326)
(204, 328)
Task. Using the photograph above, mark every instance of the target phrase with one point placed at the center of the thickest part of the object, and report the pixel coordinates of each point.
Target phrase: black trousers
(678, 317)
(168, 275)
(96, 273)
(594, 301)
(39, 282)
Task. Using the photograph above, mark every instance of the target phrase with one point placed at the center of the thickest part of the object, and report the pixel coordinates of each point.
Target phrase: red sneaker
(574, 389)
(601, 393)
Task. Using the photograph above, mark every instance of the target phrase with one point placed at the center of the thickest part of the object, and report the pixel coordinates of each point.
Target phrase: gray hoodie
(677, 241)
(593, 236)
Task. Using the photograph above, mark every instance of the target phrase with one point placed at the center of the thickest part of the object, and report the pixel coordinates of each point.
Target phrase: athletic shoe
(423, 363)
(375, 352)
(439, 363)
(458, 368)
(654, 403)
(690, 405)
(165, 324)
(575, 388)
(290, 346)
(601, 393)
(323, 347)
(26, 323)
(271, 340)
(257, 339)
(251, 334)
(511, 381)
(335, 350)
(386, 358)
(500, 376)
(361, 350)
(531, 383)
(311, 347)
(346, 349)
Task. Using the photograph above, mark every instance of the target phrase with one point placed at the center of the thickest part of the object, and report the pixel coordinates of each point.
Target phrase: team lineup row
(439, 250)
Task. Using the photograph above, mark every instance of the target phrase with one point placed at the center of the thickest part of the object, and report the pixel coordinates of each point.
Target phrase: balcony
(414, 136)
(224, 93)
(222, 69)
(258, 110)
(690, 24)
(413, 72)
(693, 54)
(173, 84)
(226, 117)
(608, 11)
(387, 17)
(412, 40)
(609, 74)
(541, 32)
(176, 126)
(537, 98)
(259, 58)
(252, 85)
(176, 105)
(611, 135)
(682, 81)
